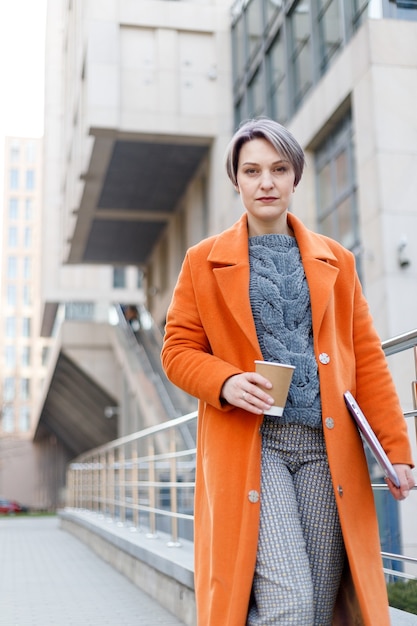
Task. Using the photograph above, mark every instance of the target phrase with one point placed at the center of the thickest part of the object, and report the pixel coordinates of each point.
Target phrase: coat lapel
(321, 273)
(230, 259)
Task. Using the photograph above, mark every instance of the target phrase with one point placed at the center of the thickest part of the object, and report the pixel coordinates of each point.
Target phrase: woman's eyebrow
(273, 163)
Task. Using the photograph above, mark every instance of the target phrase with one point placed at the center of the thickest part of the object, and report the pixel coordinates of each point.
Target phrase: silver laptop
(370, 438)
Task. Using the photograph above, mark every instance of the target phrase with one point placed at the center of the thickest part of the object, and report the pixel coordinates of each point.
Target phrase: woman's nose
(266, 180)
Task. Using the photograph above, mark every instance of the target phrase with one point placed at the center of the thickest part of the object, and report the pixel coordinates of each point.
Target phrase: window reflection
(336, 187)
(330, 30)
(301, 50)
(254, 26)
(277, 79)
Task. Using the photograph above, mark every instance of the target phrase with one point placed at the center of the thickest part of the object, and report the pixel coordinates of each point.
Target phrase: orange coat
(210, 336)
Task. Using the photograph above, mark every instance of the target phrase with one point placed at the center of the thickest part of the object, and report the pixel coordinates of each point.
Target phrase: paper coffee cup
(280, 375)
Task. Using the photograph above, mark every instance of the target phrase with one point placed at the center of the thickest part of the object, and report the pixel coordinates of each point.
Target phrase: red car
(9, 507)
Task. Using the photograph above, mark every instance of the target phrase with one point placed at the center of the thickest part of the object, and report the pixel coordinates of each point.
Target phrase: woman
(285, 525)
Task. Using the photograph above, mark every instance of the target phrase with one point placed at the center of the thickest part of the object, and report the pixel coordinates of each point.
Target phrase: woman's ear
(237, 188)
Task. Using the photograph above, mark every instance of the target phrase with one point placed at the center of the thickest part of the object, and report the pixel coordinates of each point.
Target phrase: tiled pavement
(49, 578)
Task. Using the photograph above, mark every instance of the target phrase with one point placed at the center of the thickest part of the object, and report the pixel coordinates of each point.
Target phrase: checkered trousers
(300, 548)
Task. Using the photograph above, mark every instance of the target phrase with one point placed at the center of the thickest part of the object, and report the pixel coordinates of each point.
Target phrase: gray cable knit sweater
(280, 302)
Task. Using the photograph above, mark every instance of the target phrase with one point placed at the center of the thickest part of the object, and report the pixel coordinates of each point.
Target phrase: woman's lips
(267, 199)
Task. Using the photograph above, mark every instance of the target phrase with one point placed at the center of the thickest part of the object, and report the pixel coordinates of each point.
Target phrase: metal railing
(146, 480)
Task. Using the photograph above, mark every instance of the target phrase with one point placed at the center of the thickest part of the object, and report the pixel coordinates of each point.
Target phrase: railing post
(122, 484)
(96, 483)
(110, 482)
(135, 486)
(151, 490)
(103, 494)
(173, 491)
(77, 488)
(70, 496)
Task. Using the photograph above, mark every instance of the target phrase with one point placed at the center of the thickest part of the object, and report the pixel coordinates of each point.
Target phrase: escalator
(145, 339)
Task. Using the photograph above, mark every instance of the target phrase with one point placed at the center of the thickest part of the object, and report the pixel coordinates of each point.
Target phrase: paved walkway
(49, 578)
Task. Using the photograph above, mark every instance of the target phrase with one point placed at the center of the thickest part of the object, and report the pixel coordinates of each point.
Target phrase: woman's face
(265, 181)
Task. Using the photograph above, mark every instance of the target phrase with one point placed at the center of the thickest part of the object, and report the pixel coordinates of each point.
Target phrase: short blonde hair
(277, 135)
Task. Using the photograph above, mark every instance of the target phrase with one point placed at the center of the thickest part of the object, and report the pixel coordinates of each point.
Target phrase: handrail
(400, 343)
(146, 479)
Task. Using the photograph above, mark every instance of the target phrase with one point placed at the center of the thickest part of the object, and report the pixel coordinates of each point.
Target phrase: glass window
(45, 355)
(272, 8)
(26, 356)
(139, 279)
(14, 179)
(27, 295)
(27, 268)
(79, 310)
(24, 388)
(256, 93)
(30, 152)
(11, 267)
(12, 237)
(119, 277)
(336, 187)
(30, 179)
(10, 327)
(254, 26)
(27, 237)
(330, 30)
(13, 208)
(14, 152)
(277, 84)
(7, 419)
(9, 389)
(358, 13)
(240, 112)
(238, 46)
(26, 325)
(24, 419)
(28, 209)
(11, 295)
(10, 355)
(301, 57)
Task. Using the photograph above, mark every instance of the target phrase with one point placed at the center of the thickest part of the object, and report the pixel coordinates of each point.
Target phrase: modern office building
(23, 353)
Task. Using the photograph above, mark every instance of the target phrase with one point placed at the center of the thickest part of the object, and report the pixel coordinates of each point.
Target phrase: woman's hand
(244, 391)
(406, 479)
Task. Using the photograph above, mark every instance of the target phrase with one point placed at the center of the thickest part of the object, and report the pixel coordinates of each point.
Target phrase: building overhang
(132, 187)
(78, 411)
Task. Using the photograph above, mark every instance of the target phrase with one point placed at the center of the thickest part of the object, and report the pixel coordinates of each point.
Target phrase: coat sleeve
(375, 389)
(186, 353)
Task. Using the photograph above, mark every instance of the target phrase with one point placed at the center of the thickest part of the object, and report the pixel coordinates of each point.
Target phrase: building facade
(23, 353)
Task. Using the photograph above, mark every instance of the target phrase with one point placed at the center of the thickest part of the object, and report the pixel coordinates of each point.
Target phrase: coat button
(340, 490)
(253, 496)
(329, 421)
(324, 358)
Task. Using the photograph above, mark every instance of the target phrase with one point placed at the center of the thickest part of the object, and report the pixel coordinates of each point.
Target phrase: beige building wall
(66, 152)
(135, 71)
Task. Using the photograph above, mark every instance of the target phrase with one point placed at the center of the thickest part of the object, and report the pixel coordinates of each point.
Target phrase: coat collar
(230, 259)
(231, 246)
